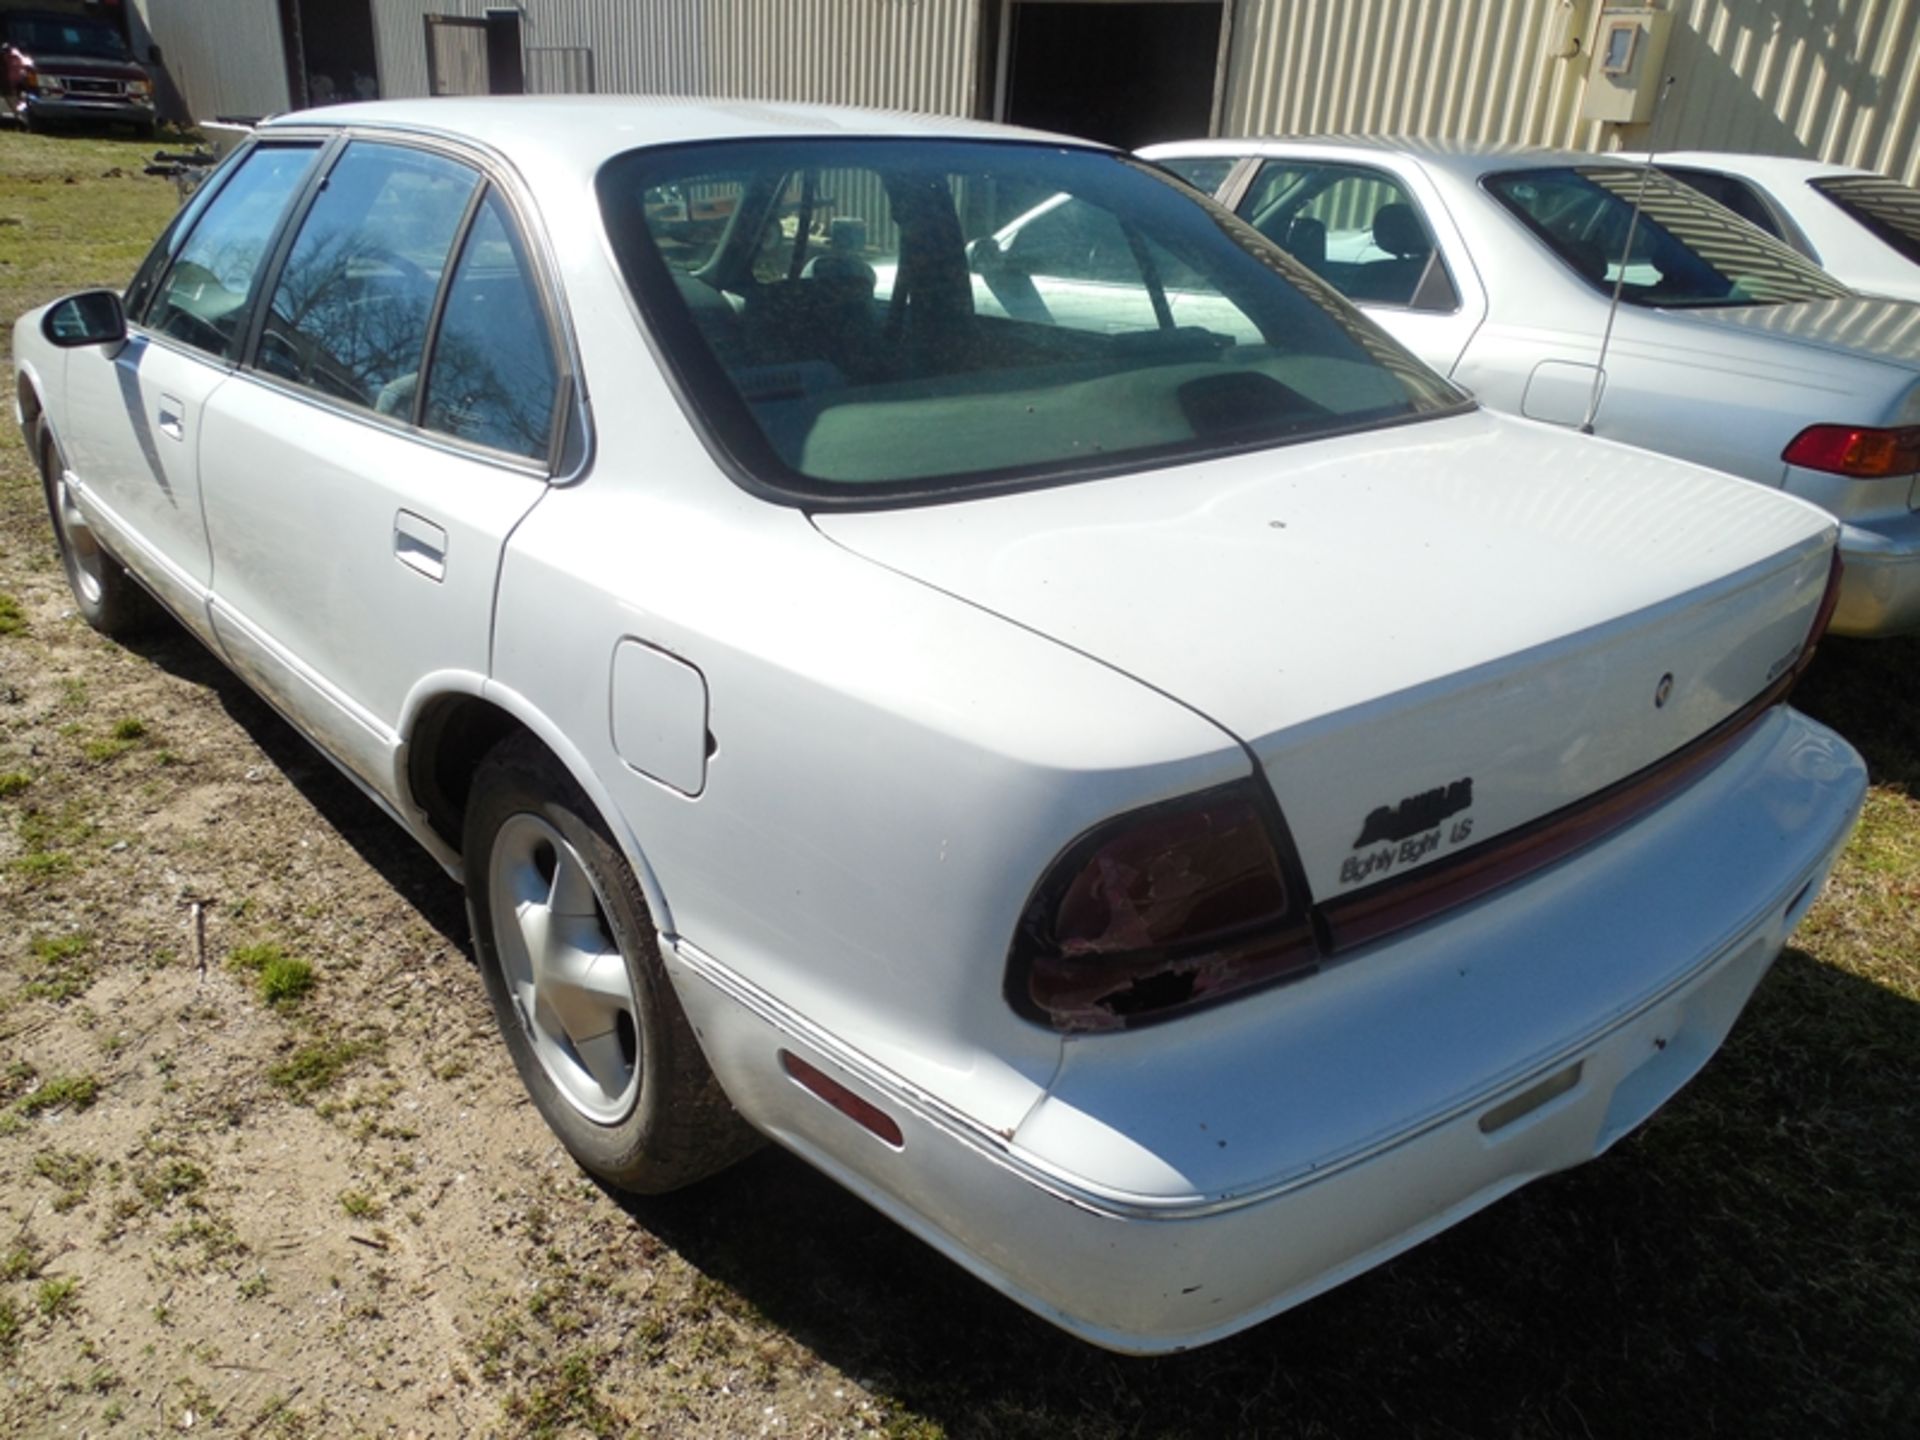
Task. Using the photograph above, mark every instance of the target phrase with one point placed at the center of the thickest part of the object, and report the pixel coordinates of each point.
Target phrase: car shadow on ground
(1869, 690)
(372, 833)
(1681, 1284)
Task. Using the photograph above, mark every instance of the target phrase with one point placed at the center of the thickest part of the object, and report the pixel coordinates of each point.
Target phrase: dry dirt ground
(273, 1174)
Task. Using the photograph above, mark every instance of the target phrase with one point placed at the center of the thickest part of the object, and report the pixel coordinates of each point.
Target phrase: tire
(107, 597)
(593, 1025)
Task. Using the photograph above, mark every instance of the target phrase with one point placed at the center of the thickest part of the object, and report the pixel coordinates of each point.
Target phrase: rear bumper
(1880, 592)
(1179, 1183)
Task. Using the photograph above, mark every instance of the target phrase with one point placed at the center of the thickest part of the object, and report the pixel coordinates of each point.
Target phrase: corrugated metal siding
(1837, 80)
(898, 54)
(225, 57)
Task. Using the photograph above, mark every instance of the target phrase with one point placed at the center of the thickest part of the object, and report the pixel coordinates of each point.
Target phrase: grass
(282, 980)
(125, 734)
(62, 967)
(63, 1092)
(57, 1297)
(12, 782)
(13, 620)
(70, 1173)
(316, 1065)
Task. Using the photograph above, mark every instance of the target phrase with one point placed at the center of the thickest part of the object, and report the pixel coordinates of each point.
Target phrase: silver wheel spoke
(605, 1060)
(571, 892)
(569, 981)
(589, 992)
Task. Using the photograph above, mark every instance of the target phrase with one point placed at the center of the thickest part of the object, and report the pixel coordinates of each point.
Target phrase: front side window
(1355, 226)
(203, 299)
(1886, 207)
(1204, 172)
(492, 379)
(351, 306)
(1686, 250)
(856, 318)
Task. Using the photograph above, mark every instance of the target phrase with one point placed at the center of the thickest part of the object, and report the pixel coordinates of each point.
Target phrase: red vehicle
(67, 68)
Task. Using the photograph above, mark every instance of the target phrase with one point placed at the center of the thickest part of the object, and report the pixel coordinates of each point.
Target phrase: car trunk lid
(1427, 636)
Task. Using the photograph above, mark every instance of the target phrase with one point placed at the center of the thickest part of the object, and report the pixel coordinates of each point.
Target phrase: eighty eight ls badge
(1409, 832)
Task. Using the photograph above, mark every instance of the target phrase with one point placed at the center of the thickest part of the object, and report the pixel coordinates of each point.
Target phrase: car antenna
(1626, 254)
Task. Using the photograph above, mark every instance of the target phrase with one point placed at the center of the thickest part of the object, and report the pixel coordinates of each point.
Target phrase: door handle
(172, 423)
(420, 544)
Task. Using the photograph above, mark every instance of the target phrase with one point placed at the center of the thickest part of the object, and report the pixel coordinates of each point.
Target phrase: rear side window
(1686, 250)
(1356, 227)
(1886, 207)
(352, 304)
(492, 378)
(203, 299)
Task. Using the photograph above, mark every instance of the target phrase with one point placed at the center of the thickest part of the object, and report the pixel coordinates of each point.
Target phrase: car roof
(1765, 167)
(1468, 159)
(580, 132)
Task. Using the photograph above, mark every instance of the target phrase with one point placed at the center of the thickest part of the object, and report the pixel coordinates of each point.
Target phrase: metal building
(1836, 79)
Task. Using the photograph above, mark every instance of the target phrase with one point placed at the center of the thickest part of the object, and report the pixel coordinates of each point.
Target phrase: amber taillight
(1859, 452)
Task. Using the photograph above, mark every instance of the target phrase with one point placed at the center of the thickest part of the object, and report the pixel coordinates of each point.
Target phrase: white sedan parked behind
(1497, 267)
(1861, 228)
(1172, 814)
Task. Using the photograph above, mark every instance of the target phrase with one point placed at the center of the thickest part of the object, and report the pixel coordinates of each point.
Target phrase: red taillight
(1159, 911)
(1860, 452)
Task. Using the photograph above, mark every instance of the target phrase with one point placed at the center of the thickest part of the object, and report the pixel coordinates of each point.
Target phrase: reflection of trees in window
(348, 321)
(492, 377)
(349, 313)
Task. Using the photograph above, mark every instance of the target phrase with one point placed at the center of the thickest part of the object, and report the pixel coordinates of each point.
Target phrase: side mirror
(93, 317)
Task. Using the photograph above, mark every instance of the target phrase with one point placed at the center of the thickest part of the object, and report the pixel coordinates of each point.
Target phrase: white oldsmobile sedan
(1498, 267)
(1860, 227)
(1171, 815)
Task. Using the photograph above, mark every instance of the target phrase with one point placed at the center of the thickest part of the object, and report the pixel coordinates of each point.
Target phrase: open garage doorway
(1129, 72)
(331, 56)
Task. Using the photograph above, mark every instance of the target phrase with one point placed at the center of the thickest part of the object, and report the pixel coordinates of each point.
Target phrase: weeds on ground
(315, 1066)
(57, 1297)
(283, 980)
(13, 619)
(69, 1172)
(62, 969)
(125, 734)
(77, 1092)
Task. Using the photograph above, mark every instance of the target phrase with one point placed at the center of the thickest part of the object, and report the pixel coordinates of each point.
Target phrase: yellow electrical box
(1624, 73)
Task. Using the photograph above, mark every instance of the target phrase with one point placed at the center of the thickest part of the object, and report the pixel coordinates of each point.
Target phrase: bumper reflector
(863, 1113)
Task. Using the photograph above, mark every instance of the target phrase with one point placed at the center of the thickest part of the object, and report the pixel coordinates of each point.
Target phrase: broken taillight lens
(1161, 910)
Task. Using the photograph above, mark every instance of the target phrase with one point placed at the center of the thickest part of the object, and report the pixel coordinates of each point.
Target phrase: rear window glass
(1727, 190)
(1886, 207)
(1686, 250)
(856, 318)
